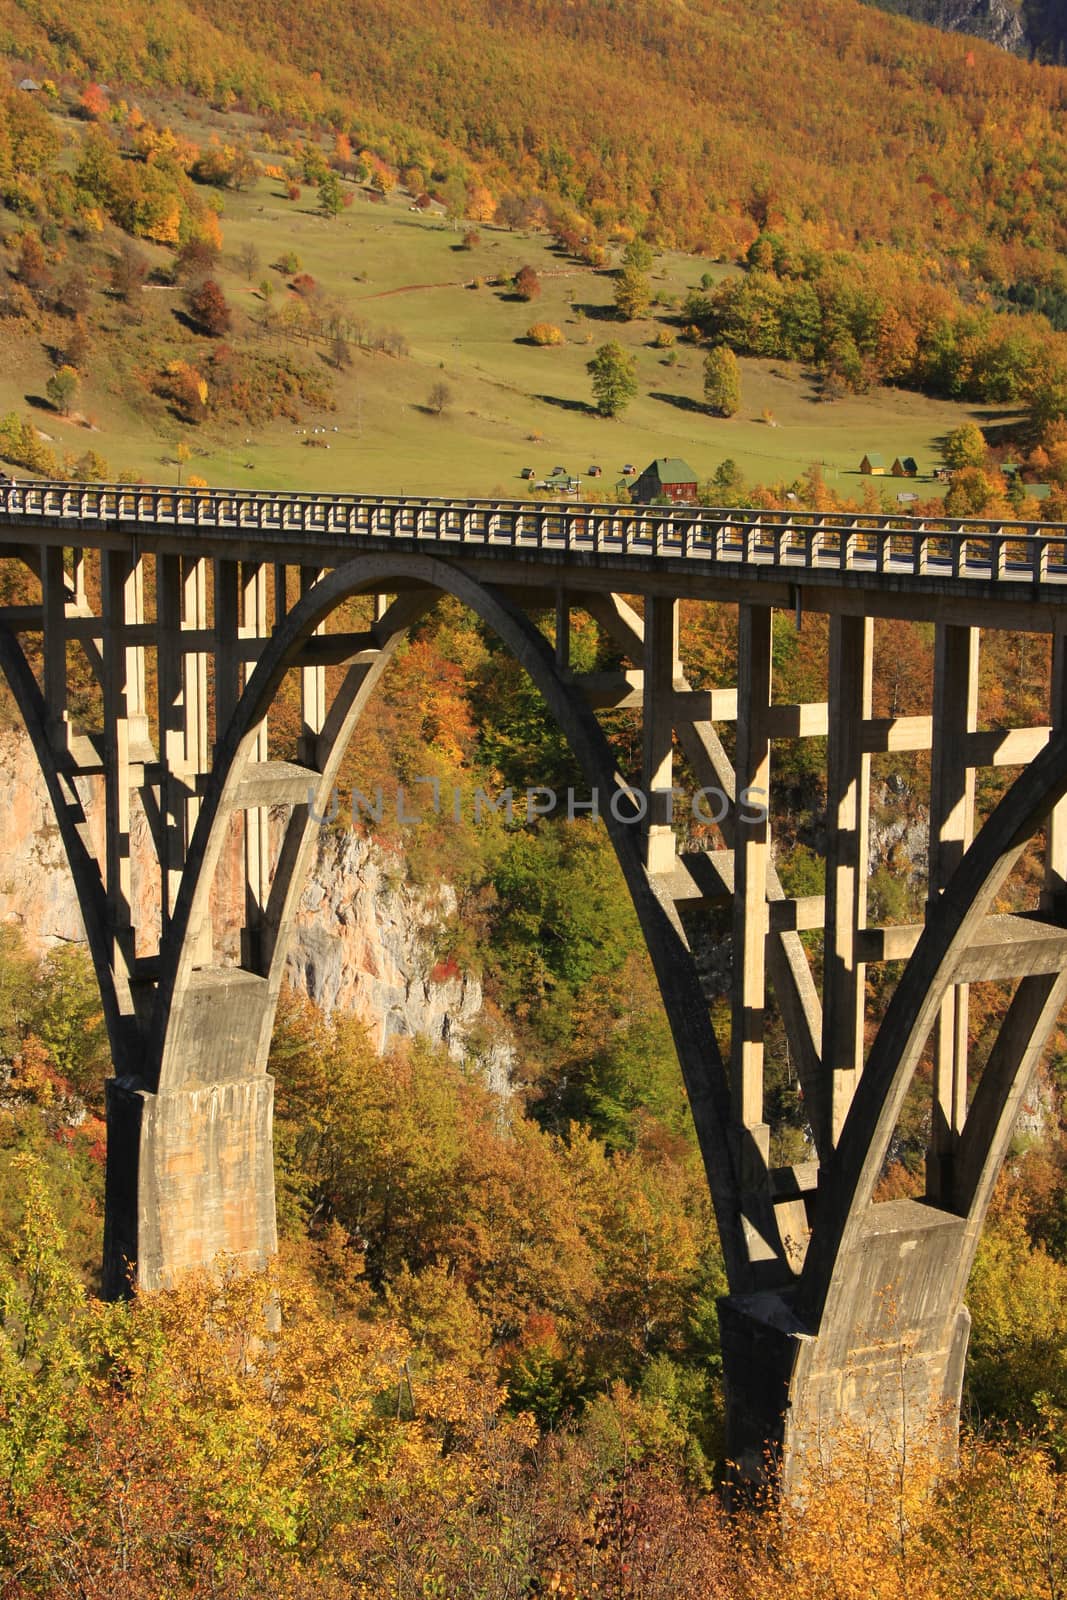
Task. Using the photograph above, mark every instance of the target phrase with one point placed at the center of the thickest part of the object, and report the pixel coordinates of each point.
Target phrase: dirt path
(453, 283)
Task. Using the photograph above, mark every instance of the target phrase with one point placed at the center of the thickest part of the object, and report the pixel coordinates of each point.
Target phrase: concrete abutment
(190, 1179)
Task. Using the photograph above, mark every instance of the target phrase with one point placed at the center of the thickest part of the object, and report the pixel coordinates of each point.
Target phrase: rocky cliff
(364, 943)
(1027, 27)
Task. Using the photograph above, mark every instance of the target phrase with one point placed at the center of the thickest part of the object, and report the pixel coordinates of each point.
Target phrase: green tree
(331, 201)
(69, 1019)
(964, 447)
(633, 293)
(614, 375)
(722, 381)
(62, 389)
(638, 255)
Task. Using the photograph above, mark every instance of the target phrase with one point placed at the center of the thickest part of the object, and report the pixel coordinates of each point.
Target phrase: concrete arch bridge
(839, 1306)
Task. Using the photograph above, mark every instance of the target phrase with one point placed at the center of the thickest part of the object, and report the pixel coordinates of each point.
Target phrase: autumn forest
(486, 1364)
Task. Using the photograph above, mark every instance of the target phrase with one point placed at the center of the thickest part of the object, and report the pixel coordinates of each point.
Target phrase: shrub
(62, 389)
(527, 284)
(545, 333)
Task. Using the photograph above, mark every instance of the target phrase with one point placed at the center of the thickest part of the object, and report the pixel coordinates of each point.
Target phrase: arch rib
(88, 883)
(950, 929)
(740, 1216)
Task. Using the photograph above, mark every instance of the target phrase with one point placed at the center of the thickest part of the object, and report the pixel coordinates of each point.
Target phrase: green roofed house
(873, 466)
(667, 478)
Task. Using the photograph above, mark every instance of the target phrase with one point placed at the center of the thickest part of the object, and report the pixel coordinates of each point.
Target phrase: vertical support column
(227, 658)
(136, 700)
(257, 820)
(955, 715)
(115, 577)
(563, 631)
(1054, 896)
(847, 814)
(169, 675)
(661, 667)
(751, 859)
(54, 593)
(195, 718)
(312, 689)
(281, 594)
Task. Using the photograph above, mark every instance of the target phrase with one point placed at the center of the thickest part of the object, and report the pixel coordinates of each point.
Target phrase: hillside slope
(706, 120)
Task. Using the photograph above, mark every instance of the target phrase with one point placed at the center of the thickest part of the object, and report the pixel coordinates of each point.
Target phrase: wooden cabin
(668, 478)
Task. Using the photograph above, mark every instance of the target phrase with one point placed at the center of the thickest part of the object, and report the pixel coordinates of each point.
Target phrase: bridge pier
(190, 1179)
(883, 1371)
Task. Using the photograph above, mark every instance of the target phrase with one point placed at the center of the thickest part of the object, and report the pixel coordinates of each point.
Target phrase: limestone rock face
(999, 21)
(364, 945)
(364, 940)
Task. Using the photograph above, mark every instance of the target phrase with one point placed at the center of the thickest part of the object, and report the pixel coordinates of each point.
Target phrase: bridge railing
(852, 542)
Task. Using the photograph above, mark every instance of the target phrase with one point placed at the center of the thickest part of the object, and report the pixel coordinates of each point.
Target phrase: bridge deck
(711, 549)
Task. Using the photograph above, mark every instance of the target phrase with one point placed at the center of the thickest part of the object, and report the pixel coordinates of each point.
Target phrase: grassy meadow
(512, 405)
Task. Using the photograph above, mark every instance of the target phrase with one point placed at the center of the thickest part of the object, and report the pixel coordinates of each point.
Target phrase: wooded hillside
(708, 121)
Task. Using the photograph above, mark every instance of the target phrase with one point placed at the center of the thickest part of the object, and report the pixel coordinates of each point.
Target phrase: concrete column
(171, 693)
(115, 575)
(197, 752)
(563, 632)
(312, 688)
(255, 625)
(227, 658)
(136, 701)
(847, 814)
(955, 715)
(751, 858)
(661, 667)
(54, 595)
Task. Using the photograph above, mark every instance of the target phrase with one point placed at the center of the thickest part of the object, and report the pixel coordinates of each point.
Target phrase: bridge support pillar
(190, 1178)
(884, 1369)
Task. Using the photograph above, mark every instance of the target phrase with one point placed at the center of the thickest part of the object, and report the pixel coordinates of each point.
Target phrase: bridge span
(190, 609)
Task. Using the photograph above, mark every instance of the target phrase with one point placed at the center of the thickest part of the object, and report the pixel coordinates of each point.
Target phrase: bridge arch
(204, 1080)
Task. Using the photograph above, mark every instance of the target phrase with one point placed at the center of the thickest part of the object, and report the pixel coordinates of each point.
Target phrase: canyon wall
(364, 942)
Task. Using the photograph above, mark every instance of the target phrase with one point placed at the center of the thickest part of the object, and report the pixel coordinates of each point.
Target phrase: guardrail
(861, 543)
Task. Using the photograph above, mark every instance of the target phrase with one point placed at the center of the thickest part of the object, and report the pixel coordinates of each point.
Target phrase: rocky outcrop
(1026, 29)
(364, 942)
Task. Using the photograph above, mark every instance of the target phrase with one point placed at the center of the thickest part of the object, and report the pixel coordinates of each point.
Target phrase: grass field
(512, 405)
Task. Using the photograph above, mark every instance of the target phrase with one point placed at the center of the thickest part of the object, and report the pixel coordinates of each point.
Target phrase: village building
(667, 478)
(907, 467)
(873, 465)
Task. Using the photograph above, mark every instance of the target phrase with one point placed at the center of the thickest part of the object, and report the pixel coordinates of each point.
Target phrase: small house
(29, 86)
(668, 478)
(595, 472)
(907, 467)
(527, 472)
(873, 465)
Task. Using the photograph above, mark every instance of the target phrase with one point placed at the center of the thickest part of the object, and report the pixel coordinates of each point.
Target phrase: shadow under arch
(211, 1030)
